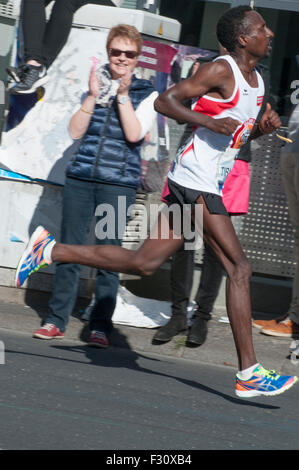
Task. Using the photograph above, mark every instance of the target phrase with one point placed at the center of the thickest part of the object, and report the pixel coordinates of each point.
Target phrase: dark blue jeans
(80, 201)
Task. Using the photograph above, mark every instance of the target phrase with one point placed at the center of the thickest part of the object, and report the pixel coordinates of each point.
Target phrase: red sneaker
(98, 339)
(48, 331)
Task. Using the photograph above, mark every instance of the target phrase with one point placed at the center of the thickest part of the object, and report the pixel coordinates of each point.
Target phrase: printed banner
(157, 56)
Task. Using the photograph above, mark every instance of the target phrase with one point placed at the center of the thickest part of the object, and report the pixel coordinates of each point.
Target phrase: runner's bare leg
(163, 241)
(220, 234)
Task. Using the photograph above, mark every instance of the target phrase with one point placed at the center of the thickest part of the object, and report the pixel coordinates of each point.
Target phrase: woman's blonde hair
(125, 31)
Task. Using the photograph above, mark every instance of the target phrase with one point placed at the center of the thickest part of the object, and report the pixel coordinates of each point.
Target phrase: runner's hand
(270, 120)
(226, 126)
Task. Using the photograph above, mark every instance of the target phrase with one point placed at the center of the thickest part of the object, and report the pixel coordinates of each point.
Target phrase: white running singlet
(205, 160)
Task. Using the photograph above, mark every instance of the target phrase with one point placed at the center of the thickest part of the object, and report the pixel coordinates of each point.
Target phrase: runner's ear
(242, 40)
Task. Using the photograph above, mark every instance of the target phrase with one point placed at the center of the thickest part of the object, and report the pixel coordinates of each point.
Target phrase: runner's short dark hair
(231, 24)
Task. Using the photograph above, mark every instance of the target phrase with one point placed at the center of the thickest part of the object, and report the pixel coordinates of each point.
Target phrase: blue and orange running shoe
(35, 255)
(264, 382)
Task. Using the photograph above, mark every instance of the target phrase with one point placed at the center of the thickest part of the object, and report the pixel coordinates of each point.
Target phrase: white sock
(48, 251)
(247, 373)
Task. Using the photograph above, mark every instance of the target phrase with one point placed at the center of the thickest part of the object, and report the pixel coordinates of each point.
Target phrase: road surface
(63, 395)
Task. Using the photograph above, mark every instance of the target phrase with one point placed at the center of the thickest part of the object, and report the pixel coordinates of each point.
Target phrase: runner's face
(260, 43)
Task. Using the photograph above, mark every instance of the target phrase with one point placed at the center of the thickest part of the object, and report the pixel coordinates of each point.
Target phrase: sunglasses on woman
(118, 52)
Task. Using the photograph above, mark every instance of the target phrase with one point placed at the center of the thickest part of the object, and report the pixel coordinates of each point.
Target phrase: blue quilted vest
(105, 155)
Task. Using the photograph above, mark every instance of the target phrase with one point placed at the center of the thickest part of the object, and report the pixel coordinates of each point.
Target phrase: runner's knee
(143, 266)
(241, 271)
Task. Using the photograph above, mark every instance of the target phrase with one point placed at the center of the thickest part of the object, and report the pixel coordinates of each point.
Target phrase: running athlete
(227, 96)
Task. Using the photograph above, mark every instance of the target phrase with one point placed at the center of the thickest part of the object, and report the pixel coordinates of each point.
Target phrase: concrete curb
(218, 350)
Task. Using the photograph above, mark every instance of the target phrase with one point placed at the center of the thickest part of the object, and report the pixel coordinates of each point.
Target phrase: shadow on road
(129, 359)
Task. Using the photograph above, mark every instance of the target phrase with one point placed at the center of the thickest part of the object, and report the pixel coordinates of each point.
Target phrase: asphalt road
(64, 395)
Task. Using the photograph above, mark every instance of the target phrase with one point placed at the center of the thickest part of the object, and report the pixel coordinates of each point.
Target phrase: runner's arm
(213, 78)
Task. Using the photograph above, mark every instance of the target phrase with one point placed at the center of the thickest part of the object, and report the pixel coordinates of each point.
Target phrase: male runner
(229, 93)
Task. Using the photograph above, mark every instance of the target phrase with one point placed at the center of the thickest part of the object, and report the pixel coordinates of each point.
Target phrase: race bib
(225, 164)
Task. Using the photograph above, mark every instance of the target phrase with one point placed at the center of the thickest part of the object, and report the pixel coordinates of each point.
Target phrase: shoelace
(48, 326)
(30, 74)
(99, 334)
(22, 71)
(27, 73)
(270, 374)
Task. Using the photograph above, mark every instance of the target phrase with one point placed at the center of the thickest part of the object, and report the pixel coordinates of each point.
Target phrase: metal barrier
(10, 8)
(266, 232)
